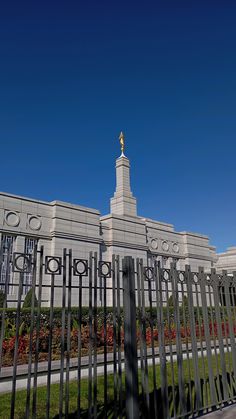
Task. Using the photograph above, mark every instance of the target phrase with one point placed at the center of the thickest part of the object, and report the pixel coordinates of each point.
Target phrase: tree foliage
(28, 299)
(2, 298)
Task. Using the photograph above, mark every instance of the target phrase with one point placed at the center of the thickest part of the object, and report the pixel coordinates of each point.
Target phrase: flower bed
(57, 341)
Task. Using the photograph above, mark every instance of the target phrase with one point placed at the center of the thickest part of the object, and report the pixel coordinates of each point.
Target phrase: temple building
(25, 223)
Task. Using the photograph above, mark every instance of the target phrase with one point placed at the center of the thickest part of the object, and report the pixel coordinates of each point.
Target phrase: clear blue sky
(75, 73)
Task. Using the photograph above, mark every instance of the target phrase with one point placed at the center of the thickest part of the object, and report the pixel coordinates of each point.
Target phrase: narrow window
(6, 274)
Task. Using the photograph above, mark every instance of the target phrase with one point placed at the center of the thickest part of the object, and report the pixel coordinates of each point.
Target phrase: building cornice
(71, 236)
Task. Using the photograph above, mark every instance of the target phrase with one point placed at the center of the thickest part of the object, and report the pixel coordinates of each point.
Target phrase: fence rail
(120, 339)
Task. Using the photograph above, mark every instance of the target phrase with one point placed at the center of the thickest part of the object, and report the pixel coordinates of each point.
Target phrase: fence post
(131, 360)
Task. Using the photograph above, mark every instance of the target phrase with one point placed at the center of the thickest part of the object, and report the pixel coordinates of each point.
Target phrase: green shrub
(171, 301)
(28, 299)
(2, 298)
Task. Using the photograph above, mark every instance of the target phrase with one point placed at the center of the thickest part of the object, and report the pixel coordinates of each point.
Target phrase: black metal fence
(115, 339)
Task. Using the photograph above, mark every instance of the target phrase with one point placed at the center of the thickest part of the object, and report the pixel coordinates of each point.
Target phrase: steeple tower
(123, 202)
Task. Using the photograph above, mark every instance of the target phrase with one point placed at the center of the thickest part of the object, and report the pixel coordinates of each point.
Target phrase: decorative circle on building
(154, 244)
(175, 247)
(165, 246)
(34, 222)
(12, 219)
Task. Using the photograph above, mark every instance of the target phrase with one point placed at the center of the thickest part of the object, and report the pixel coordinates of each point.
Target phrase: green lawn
(172, 374)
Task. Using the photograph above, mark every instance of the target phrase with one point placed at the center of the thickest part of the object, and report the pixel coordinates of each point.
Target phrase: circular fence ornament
(166, 275)
(104, 269)
(22, 262)
(80, 267)
(181, 277)
(149, 273)
(53, 265)
(208, 279)
(195, 278)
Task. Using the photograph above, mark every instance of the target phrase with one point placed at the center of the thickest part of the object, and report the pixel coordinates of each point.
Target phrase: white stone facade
(57, 225)
(227, 260)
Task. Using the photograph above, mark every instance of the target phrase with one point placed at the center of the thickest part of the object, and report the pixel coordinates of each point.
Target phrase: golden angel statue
(122, 142)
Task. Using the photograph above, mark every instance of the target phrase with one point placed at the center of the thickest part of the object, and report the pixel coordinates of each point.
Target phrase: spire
(123, 202)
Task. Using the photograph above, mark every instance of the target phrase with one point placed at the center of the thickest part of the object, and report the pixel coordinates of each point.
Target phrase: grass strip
(172, 369)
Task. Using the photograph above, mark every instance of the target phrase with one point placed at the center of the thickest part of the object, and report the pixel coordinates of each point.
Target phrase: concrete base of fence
(226, 413)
